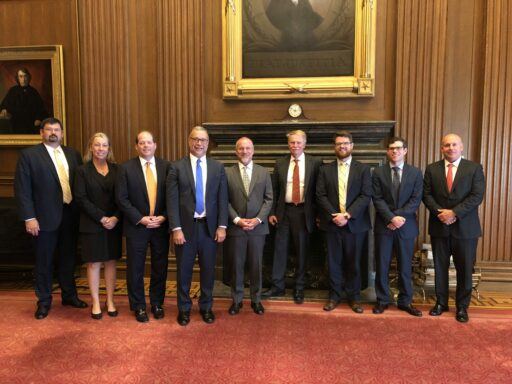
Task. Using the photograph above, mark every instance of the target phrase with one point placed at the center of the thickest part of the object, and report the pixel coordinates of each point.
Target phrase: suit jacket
(467, 194)
(94, 197)
(256, 204)
(37, 186)
(359, 194)
(409, 199)
(132, 195)
(279, 187)
(181, 196)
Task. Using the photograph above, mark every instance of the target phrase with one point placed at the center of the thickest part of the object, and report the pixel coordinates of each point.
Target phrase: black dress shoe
(41, 311)
(75, 302)
(273, 292)
(207, 315)
(410, 310)
(141, 316)
(113, 313)
(157, 311)
(355, 306)
(438, 309)
(462, 315)
(183, 318)
(298, 296)
(379, 308)
(235, 308)
(331, 304)
(96, 316)
(257, 308)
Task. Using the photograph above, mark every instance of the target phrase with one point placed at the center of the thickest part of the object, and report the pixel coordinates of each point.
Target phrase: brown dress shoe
(355, 306)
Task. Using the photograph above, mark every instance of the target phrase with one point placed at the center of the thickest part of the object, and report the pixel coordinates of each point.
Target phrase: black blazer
(95, 197)
(409, 199)
(255, 204)
(279, 187)
(181, 196)
(37, 186)
(359, 194)
(132, 195)
(467, 194)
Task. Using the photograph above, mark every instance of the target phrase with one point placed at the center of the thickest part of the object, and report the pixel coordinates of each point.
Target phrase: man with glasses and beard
(343, 192)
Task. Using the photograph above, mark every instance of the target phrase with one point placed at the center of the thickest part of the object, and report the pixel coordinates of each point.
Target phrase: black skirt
(102, 246)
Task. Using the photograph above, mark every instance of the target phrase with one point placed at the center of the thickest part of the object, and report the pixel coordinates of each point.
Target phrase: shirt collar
(455, 163)
(49, 148)
(301, 157)
(144, 161)
(400, 166)
(248, 166)
(347, 161)
(194, 158)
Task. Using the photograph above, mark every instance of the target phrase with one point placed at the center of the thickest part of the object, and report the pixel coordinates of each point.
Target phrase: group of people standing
(196, 203)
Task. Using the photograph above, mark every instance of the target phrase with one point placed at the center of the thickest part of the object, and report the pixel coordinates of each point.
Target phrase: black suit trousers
(343, 258)
(292, 225)
(464, 256)
(59, 246)
(136, 248)
(404, 249)
(205, 247)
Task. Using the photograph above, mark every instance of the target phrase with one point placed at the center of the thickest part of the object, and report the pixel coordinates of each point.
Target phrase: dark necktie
(199, 188)
(396, 183)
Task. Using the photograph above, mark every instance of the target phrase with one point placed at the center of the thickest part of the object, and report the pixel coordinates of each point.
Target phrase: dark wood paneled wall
(129, 65)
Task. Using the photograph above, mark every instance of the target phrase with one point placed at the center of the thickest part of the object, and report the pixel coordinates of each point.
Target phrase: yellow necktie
(151, 187)
(342, 186)
(63, 177)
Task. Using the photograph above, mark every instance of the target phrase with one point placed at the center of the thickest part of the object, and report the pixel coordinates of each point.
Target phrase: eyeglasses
(199, 140)
(395, 148)
(344, 144)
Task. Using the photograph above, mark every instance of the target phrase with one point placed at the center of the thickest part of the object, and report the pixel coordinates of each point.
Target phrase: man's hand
(446, 216)
(109, 222)
(272, 219)
(250, 224)
(339, 219)
(32, 227)
(397, 222)
(178, 238)
(220, 235)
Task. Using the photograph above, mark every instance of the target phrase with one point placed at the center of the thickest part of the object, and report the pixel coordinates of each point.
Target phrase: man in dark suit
(293, 212)
(43, 181)
(453, 188)
(140, 193)
(197, 200)
(397, 191)
(344, 190)
(250, 201)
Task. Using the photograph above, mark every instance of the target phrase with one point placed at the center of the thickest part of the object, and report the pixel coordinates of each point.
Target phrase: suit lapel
(307, 173)
(460, 171)
(403, 180)
(442, 177)
(254, 177)
(140, 175)
(190, 175)
(238, 178)
(49, 162)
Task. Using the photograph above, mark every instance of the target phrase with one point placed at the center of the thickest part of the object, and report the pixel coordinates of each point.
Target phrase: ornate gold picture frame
(31, 89)
(359, 82)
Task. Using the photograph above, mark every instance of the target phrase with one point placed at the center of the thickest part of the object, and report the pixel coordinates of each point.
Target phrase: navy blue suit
(133, 202)
(199, 235)
(459, 239)
(39, 195)
(345, 244)
(401, 239)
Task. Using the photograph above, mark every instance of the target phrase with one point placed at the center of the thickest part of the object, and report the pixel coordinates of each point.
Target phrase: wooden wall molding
(496, 143)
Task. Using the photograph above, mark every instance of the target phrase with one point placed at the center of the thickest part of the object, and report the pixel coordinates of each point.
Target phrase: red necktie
(296, 184)
(449, 177)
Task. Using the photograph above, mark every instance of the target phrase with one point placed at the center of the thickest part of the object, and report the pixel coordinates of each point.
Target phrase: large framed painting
(31, 89)
(298, 48)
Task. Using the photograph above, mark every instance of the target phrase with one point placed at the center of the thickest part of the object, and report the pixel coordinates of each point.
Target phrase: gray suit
(247, 244)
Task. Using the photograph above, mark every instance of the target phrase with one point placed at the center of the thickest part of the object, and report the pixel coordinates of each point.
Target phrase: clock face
(295, 110)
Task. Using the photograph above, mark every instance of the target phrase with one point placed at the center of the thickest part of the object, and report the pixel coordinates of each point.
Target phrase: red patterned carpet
(289, 344)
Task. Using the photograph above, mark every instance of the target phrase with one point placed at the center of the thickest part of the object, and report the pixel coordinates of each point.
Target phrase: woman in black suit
(100, 230)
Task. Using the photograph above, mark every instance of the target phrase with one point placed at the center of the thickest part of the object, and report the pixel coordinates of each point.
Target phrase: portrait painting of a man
(25, 94)
(298, 38)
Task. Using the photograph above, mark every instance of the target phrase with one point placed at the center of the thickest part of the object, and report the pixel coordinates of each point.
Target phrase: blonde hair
(297, 132)
(88, 151)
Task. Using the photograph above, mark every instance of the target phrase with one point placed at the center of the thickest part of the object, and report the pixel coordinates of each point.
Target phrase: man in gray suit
(250, 201)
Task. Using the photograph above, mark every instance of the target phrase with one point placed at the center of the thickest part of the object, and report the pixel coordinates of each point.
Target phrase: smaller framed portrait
(31, 89)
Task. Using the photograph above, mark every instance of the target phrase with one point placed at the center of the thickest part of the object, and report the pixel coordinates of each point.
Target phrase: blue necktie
(199, 188)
